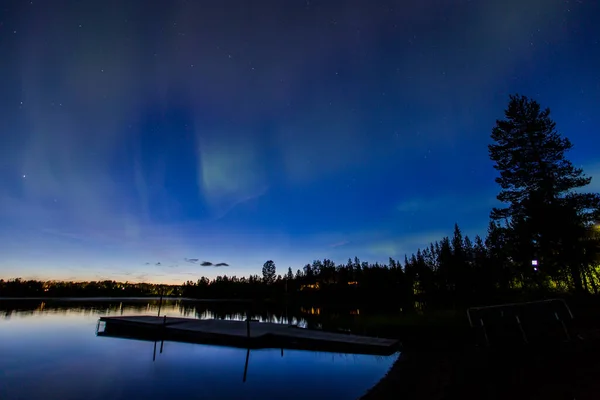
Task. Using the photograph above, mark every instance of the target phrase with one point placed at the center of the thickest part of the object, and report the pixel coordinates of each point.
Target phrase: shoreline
(124, 299)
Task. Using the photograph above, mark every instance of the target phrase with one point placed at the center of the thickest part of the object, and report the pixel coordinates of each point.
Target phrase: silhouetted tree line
(452, 271)
(546, 240)
(32, 288)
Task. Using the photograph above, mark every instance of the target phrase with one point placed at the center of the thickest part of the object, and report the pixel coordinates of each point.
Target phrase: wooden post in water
(246, 364)
(287, 318)
(248, 322)
(160, 300)
(163, 333)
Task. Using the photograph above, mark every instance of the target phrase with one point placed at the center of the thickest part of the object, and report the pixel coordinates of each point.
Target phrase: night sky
(137, 137)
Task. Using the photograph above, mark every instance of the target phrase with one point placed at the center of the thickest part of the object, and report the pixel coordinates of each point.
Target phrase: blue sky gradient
(136, 134)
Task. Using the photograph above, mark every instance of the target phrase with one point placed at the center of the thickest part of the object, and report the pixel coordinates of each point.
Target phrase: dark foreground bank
(568, 372)
(447, 365)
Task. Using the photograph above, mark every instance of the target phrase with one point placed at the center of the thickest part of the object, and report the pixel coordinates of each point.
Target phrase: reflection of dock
(245, 334)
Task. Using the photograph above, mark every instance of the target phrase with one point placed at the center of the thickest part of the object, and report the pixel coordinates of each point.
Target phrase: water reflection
(147, 306)
(162, 343)
(53, 344)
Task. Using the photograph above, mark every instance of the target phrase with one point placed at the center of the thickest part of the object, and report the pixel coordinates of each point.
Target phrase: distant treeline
(545, 241)
(33, 288)
(454, 271)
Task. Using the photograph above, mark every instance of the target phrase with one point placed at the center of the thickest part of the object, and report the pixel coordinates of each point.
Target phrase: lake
(49, 350)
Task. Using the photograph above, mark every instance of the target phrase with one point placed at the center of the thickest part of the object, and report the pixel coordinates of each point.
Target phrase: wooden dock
(244, 334)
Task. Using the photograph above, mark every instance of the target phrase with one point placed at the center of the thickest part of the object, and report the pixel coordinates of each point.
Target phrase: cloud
(206, 263)
(158, 263)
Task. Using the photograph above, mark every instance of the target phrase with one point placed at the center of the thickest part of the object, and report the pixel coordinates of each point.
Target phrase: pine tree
(498, 252)
(538, 184)
(391, 263)
(269, 272)
(308, 272)
(529, 154)
(446, 276)
(317, 266)
(460, 276)
(457, 242)
(468, 247)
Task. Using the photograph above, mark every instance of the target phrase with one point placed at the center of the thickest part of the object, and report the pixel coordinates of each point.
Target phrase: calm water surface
(51, 351)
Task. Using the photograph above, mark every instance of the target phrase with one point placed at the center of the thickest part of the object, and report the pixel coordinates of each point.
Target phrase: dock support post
(246, 364)
(160, 302)
(162, 337)
(248, 323)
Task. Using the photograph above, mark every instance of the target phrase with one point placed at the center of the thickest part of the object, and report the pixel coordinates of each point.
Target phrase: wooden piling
(246, 364)
(160, 301)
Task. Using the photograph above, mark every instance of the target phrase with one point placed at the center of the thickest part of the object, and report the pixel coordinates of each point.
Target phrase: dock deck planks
(235, 333)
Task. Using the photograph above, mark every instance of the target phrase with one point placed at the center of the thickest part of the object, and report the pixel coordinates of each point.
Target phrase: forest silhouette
(545, 241)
